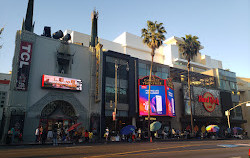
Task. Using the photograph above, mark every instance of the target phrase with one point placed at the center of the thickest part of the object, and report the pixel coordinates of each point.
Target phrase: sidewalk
(112, 142)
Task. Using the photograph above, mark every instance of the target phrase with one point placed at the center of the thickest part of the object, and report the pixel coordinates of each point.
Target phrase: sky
(223, 26)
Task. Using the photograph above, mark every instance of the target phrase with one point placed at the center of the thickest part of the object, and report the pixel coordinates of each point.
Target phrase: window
(238, 112)
(222, 84)
(110, 70)
(122, 80)
(233, 85)
(227, 86)
(158, 70)
(142, 72)
(142, 65)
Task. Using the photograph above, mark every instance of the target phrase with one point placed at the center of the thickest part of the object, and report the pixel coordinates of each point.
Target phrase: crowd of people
(14, 136)
(164, 134)
(63, 135)
(80, 135)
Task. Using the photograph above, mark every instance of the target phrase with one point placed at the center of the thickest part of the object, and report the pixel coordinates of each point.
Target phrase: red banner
(24, 66)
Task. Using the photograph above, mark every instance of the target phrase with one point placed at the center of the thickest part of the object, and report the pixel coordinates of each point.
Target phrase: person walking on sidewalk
(12, 135)
(106, 135)
(37, 134)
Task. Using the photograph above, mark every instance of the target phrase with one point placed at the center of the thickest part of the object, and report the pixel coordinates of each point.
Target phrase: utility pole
(115, 110)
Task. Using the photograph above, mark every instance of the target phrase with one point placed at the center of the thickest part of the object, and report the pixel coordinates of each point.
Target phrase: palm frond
(189, 47)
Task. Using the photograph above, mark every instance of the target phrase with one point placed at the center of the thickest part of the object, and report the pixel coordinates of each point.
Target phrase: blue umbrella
(237, 128)
(127, 129)
(155, 126)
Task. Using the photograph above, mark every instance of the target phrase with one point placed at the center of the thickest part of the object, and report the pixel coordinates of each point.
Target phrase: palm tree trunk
(189, 89)
(149, 88)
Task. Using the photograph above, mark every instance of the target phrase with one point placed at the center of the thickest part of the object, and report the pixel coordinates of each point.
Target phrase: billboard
(58, 82)
(24, 66)
(170, 102)
(161, 98)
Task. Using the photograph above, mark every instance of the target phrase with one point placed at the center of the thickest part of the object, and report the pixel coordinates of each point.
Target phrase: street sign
(227, 113)
(151, 118)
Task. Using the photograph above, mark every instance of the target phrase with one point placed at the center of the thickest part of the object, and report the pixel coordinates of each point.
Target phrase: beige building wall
(244, 89)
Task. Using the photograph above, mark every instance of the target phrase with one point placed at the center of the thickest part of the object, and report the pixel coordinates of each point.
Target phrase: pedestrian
(55, 137)
(90, 136)
(12, 135)
(40, 133)
(37, 134)
(164, 134)
(20, 137)
(50, 135)
(133, 136)
(86, 136)
(139, 133)
(106, 134)
(44, 136)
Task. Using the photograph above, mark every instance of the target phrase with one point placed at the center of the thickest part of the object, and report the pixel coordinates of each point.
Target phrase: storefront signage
(154, 81)
(97, 60)
(61, 83)
(161, 98)
(24, 66)
(208, 101)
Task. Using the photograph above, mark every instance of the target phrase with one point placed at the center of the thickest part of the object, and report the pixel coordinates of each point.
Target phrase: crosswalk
(233, 145)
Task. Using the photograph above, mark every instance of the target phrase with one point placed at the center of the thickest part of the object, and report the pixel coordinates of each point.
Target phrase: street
(176, 149)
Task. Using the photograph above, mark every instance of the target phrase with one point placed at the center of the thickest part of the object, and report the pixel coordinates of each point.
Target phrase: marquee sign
(24, 66)
(97, 62)
(58, 82)
(161, 97)
(208, 101)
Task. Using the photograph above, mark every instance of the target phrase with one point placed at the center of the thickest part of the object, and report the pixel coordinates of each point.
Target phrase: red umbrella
(74, 126)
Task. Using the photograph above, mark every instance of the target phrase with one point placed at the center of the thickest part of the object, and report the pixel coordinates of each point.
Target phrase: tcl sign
(24, 65)
(208, 101)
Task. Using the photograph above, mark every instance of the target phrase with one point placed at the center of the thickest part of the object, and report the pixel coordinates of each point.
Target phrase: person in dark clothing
(55, 137)
(44, 136)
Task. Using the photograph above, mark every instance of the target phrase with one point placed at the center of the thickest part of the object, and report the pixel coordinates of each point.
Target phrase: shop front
(162, 103)
(206, 108)
(60, 116)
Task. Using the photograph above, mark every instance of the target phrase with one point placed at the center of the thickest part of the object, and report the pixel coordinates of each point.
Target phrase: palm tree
(189, 48)
(1, 31)
(153, 36)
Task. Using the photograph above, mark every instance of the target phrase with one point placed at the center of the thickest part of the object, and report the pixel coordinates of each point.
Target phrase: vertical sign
(24, 66)
(97, 61)
(170, 97)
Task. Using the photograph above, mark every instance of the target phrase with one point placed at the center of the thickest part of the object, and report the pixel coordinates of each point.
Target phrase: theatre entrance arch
(57, 115)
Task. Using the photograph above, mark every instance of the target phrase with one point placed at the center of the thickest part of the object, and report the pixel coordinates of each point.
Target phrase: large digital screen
(58, 82)
(157, 100)
(170, 102)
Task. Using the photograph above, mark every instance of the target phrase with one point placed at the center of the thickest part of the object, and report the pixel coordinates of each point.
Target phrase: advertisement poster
(157, 100)
(161, 97)
(170, 102)
(61, 83)
(24, 66)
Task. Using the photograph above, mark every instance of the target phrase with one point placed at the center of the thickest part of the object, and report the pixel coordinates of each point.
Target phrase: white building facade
(167, 54)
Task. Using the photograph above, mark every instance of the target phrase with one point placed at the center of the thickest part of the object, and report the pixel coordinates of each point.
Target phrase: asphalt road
(169, 149)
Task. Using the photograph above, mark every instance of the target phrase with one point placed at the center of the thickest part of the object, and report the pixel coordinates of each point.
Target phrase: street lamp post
(116, 67)
(115, 109)
(227, 112)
